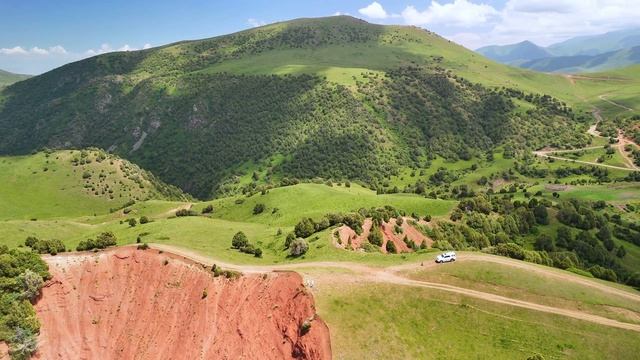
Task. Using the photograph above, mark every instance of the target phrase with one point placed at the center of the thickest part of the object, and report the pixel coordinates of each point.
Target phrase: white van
(449, 256)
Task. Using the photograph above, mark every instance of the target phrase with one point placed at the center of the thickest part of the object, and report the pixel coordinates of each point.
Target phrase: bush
(305, 327)
(258, 209)
(144, 220)
(305, 228)
(298, 247)
(143, 246)
(31, 284)
(208, 209)
(391, 247)
(103, 241)
(375, 237)
(132, 222)
(185, 212)
(289, 240)
(52, 247)
(239, 240)
(511, 250)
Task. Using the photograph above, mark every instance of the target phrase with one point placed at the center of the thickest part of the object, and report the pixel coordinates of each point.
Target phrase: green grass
(316, 200)
(530, 286)
(392, 322)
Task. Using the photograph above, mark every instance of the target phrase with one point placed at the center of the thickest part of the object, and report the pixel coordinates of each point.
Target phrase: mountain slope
(7, 78)
(333, 98)
(586, 63)
(597, 44)
(515, 53)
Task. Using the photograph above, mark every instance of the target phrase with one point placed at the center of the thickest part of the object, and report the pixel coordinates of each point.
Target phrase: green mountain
(515, 53)
(586, 63)
(597, 44)
(612, 50)
(331, 98)
(7, 78)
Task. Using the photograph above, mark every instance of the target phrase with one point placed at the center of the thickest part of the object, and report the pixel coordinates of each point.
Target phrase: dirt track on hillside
(391, 275)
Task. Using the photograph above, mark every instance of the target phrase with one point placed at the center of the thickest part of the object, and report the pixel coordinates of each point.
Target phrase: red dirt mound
(345, 234)
(133, 304)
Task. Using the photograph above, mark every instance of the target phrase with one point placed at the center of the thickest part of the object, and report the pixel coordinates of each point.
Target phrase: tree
(144, 220)
(544, 242)
(375, 237)
(564, 237)
(207, 209)
(305, 228)
(391, 247)
(541, 214)
(132, 222)
(289, 240)
(621, 252)
(298, 247)
(258, 209)
(239, 240)
(31, 284)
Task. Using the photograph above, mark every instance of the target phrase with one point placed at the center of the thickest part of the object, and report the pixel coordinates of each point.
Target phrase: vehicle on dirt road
(449, 256)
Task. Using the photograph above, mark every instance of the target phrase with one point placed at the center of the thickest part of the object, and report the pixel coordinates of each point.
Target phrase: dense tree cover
(585, 240)
(199, 129)
(22, 275)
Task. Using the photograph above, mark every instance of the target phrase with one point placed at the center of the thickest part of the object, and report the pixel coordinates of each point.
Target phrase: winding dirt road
(391, 275)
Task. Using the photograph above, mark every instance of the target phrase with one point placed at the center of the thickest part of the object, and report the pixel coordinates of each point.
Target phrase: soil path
(603, 97)
(622, 141)
(391, 275)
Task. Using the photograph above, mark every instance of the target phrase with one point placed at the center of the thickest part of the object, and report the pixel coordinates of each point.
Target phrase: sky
(39, 35)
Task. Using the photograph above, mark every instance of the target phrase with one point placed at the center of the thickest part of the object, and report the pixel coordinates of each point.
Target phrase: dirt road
(391, 275)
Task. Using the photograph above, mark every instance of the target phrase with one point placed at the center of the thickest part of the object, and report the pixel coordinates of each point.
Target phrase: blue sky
(38, 35)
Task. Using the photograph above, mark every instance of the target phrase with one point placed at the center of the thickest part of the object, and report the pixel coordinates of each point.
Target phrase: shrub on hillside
(298, 247)
(207, 209)
(258, 209)
(103, 241)
(239, 240)
(144, 220)
(391, 247)
(185, 212)
(511, 250)
(53, 246)
(375, 237)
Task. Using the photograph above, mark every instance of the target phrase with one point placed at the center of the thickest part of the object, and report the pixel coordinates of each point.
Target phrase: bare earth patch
(133, 304)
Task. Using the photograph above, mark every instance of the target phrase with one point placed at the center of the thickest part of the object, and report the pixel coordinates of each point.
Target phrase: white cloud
(374, 11)
(255, 22)
(460, 13)
(19, 50)
(146, 46)
(340, 13)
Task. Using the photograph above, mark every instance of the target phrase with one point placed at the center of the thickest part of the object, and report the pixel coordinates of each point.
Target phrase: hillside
(597, 44)
(7, 78)
(514, 54)
(585, 63)
(74, 183)
(332, 97)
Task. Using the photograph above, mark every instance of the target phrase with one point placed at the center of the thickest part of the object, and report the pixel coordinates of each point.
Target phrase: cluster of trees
(241, 242)
(502, 226)
(42, 246)
(22, 275)
(102, 241)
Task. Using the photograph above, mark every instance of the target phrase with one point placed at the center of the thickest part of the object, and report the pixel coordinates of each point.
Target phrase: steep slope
(331, 98)
(137, 304)
(7, 78)
(515, 53)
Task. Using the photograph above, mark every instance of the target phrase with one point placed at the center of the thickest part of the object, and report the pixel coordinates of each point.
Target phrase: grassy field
(49, 186)
(530, 286)
(285, 206)
(392, 322)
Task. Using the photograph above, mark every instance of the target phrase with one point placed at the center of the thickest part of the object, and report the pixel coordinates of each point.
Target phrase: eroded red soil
(350, 240)
(134, 304)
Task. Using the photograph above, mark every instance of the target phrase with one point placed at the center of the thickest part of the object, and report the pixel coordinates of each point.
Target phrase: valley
(287, 188)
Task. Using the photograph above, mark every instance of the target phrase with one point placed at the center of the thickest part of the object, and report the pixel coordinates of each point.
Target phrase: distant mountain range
(7, 78)
(580, 54)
